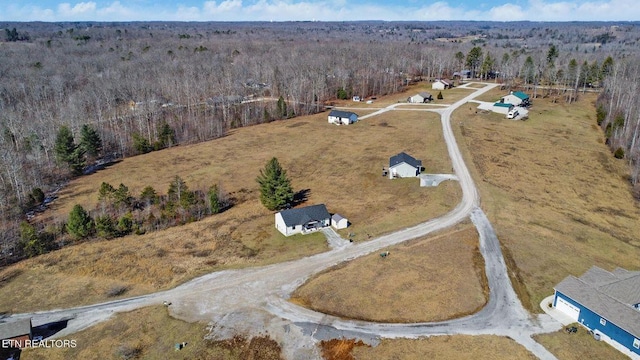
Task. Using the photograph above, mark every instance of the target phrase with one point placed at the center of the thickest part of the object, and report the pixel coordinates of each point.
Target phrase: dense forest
(75, 96)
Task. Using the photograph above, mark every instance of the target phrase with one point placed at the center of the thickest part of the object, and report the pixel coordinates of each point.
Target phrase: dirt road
(252, 301)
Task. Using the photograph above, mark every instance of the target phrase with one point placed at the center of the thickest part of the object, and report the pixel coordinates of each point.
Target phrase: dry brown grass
(421, 280)
(460, 347)
(339, 349)
(449, 97)
(341, 166)
(578, 346)
(150, 333)
(559, 201)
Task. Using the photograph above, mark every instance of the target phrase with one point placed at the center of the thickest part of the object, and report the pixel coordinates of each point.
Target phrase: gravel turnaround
(253, 301)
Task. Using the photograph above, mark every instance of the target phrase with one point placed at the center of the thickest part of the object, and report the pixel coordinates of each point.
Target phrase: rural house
(421, 97)
(339, 222)
(441, 84)
(463, 75)
(16, 332)
(302, 220)
(339, 117)
(607, 303)
(404, 165)
(516, 98)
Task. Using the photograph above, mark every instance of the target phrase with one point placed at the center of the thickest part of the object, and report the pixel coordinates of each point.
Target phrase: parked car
(513, 114)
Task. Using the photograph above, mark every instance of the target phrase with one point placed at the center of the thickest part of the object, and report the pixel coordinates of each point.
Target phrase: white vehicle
(513, 114)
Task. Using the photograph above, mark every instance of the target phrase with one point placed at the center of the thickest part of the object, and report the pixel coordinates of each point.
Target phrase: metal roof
(521, 95)
(607, 295)
(342, 114)
(425, 94)
(301, 216)
(14, 329)
(500, 104)
(404, 158)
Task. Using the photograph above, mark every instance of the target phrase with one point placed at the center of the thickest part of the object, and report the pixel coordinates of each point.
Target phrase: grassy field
(150, 333)
(559, 201)
(578, 346)
(341, 167)
(446, 348)
(419, 281)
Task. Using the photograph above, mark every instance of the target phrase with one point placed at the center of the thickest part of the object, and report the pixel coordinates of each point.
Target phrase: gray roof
(337, 217)
(342, 114)
(15, 329)
(597, 276)
(301, 216)
(610, 295)
(406, 158)
(425, 94)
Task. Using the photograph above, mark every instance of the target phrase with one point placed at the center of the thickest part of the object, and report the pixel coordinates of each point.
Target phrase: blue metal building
(608, 303)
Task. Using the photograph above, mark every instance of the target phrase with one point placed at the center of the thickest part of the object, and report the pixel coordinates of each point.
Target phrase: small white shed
(339, 222)
(440, 84)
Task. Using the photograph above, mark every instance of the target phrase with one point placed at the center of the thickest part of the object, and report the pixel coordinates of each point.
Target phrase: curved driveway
(253, 301)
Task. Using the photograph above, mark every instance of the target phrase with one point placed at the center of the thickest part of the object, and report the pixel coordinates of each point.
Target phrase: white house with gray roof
(421, 97)
(607, 303)
(340, 117)
(303, 220)
(404, 165)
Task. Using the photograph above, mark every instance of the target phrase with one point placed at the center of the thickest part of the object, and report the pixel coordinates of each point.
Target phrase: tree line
(618, 114)
(120, 213)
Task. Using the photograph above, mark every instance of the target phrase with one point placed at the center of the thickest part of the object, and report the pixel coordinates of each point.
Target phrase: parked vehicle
(513, 113)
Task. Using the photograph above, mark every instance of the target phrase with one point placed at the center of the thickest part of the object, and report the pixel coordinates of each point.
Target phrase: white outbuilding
(441, 84)
(339, 222)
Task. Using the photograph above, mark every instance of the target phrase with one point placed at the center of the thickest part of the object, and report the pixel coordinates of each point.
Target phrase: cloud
(211, 7)
(82, 9)
(325, 10)
(507, 12)
(116, 11)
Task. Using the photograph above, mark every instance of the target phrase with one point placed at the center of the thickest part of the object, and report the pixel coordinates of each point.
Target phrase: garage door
(567, 308)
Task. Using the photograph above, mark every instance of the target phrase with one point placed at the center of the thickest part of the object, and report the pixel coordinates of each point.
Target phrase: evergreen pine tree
(90, 141)
(80, 225)
(68, 152)
(214, 200)
(275, 188)
(179, 193)
(105, 227)
(141, 144)
(149, 196)
(166, 136)
(32, 244)
(65, 145)
(282, 108)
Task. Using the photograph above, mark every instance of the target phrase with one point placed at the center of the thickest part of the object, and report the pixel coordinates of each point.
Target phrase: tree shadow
(301, 197)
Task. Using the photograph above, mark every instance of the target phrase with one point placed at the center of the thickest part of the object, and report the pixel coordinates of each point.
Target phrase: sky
(321, 10)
